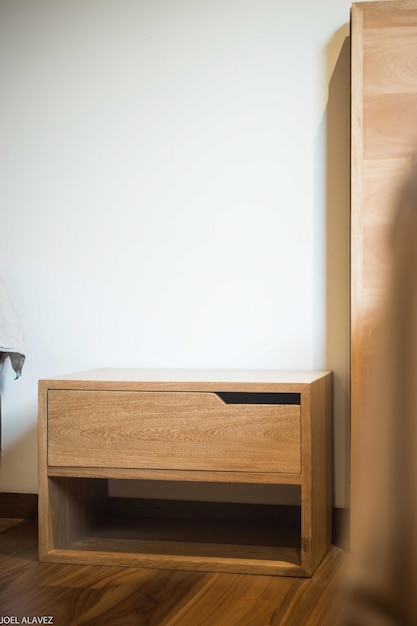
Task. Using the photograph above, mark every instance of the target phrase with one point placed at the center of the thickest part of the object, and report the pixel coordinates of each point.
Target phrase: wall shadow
(335, 133)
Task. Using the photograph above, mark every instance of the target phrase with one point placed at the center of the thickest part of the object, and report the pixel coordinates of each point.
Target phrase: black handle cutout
(240, 397)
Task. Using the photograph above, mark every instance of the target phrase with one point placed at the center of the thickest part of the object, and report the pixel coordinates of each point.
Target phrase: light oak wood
(264, 478)
(170, 430)
(184, 380)
(102, 425)
(317, 485)
(384, 141)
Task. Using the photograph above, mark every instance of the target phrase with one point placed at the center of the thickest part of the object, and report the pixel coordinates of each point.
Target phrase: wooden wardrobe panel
(380, 188)
(384, 141)
(390, 59)
(389, 125)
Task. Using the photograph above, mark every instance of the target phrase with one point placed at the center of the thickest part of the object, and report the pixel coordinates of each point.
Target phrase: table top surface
(194, 375)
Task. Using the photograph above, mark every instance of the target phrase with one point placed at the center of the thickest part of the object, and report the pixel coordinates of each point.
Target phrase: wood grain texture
(85, 595)
(170, 430)
(380, 188)
(357, 219)
(384, 142)
(389, 124)
(320, 503)
(390, 62)
(263, 478)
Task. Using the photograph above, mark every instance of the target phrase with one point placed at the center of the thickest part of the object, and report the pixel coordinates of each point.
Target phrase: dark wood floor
(113, 596)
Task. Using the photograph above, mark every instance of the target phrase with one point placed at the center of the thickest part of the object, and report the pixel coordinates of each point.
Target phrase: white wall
(165, 194)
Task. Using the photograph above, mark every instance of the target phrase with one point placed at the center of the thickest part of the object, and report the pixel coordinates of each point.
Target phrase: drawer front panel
(171, 430)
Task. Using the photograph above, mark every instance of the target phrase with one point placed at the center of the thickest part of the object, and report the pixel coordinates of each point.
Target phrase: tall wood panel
(384, 140)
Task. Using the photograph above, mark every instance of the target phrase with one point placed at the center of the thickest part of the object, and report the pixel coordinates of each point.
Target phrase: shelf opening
(174, 528)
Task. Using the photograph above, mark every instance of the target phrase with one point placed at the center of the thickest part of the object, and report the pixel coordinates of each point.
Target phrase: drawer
(171, 430)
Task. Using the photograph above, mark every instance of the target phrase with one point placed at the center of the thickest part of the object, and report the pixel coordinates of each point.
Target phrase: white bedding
(11, 336)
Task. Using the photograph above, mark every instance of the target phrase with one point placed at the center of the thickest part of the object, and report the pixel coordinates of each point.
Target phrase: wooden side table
(237, 427)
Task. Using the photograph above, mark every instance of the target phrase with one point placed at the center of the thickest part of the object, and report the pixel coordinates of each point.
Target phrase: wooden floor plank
(232, 600)
(86, 595)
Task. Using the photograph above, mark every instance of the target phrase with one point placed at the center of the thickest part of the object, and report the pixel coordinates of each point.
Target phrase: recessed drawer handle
(237, 397)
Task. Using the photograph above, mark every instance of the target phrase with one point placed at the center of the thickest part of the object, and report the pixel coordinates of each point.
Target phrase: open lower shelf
(257, 538)
(192, 538)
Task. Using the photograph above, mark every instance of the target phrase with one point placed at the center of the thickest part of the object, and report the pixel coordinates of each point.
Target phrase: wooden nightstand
(237, 427)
